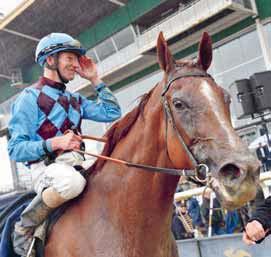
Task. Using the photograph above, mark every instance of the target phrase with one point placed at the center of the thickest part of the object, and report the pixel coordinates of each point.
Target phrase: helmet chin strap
(55, 68)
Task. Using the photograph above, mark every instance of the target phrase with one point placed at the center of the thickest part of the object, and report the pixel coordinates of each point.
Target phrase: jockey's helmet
(54, 43)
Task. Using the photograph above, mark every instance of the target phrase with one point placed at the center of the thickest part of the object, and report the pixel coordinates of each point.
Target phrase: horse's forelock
(187, 64)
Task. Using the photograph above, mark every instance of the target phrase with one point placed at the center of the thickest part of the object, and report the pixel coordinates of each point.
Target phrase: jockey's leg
(35, 213)
(57, 184)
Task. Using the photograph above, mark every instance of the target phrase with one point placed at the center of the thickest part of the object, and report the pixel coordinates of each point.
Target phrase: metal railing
(222, 246)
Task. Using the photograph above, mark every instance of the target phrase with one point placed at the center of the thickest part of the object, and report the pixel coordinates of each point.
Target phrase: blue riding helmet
(54, 43)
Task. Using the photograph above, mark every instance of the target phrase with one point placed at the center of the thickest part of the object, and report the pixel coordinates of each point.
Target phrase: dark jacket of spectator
(263, 155)
(263, 214)
(182, 227)
(218, 224)
(178, 229)
(194, 212)
(232, 222)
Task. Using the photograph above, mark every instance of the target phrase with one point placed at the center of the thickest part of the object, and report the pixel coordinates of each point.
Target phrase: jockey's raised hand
(68, 141)
(88, 70)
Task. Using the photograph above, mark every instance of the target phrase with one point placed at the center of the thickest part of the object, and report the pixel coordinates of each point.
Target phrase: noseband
(169, 116)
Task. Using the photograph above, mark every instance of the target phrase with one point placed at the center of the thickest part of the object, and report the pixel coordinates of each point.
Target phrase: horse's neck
(145, 144)
(137, 201)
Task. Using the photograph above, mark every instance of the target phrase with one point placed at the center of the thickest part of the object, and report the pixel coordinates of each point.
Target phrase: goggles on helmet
(69, 46)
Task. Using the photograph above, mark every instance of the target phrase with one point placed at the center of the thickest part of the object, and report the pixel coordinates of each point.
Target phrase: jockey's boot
(34, 214)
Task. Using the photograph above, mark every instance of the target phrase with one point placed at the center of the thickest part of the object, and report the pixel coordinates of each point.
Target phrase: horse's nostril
(230, 171)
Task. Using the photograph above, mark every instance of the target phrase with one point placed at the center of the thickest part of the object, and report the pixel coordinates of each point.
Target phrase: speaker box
(242, 98)
(261, 87)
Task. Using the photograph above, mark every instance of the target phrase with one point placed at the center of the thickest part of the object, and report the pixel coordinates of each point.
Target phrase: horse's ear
(205, 51)
(164, 56)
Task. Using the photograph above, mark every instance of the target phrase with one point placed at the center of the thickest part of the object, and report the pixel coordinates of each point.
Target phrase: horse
(183, 121)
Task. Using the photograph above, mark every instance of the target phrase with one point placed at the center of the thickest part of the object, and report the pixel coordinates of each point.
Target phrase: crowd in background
(191, 217)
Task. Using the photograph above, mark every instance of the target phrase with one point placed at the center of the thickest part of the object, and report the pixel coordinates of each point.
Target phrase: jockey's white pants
(60, 175)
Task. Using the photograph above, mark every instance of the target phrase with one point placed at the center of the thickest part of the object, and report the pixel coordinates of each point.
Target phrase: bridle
(168, 113)
(200, 169)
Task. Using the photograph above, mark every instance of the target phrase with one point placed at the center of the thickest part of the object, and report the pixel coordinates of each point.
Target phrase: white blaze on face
(211, 98)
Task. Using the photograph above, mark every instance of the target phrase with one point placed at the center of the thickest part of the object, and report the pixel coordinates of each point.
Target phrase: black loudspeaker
(261, 87)
(242, 98)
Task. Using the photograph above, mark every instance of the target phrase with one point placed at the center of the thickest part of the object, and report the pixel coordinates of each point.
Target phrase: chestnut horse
(126, 211)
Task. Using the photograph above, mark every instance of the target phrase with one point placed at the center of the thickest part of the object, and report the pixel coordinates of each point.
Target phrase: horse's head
(199, 108)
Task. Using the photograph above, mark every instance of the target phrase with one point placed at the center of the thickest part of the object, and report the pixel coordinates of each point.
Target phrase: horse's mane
(119, 130)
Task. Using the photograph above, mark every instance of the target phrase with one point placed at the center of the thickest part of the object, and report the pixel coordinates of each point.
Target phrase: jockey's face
(67, 64)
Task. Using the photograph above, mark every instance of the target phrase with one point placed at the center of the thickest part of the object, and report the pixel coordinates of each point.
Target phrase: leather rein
(201, 171)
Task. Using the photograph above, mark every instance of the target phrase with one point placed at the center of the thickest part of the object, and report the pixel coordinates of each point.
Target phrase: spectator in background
(194, 212)
(246, 211)
(258, 200)
(182, 227)
(259, 226)
(268, 162)
(263, 154)
(233, 222)
(218, 223)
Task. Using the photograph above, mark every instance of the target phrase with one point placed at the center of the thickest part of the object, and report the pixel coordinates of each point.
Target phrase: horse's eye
(178, 104)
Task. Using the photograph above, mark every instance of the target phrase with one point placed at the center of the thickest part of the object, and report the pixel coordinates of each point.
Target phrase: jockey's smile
(67, 65)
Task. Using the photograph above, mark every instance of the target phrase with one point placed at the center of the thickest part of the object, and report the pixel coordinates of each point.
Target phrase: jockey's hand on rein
(68, 141)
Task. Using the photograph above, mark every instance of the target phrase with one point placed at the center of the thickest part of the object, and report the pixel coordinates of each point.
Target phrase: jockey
(44, 119)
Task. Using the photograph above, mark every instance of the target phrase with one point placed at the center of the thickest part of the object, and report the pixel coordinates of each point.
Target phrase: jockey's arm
(106, 107)
(23, 146)
(103, 109)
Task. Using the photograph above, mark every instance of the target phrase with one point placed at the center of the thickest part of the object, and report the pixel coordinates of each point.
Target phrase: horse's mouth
(234, 175)
(232, 197)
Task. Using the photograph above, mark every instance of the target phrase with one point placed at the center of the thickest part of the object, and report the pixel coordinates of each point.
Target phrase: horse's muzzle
(232, 175)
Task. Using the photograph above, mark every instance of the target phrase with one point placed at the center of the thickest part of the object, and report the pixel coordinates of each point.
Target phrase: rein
(200, 173)
(100, 139)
